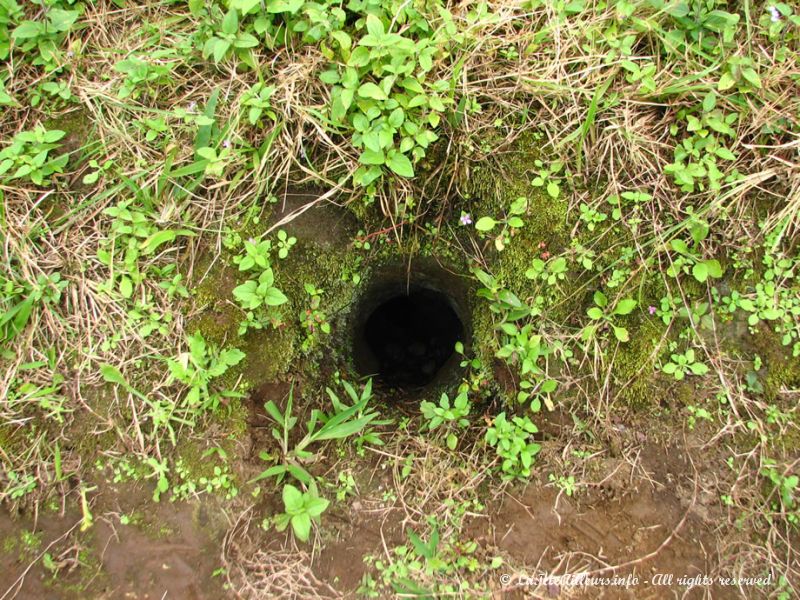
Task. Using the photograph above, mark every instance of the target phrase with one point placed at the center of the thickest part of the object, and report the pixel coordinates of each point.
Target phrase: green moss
(633, 369)
(82, 432)
(490, 189)
(77, 124)
(781, 370)
(495, 186)
(270, 352)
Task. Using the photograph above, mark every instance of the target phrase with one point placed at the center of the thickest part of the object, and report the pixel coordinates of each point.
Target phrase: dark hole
(412, 336)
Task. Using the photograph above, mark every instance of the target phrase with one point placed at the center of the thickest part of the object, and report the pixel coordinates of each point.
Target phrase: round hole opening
(411, 337)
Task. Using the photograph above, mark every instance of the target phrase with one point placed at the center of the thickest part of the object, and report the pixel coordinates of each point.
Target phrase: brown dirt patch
(644, 520)
(169, 550)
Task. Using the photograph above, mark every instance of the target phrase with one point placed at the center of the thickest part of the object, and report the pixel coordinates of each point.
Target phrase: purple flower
(775, 14)
(651, 310)
(226, 143)
(465, 219)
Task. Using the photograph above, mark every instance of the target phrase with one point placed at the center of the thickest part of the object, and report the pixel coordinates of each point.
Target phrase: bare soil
(167, 551)
(642, 515)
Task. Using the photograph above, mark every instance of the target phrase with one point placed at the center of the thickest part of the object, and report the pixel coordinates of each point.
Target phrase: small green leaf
(595, 313)
(126, 287)
(621, 334)
(301, 525)
(600, 299)
(485, 224)
(292, 498)
(726, 82)
(274, 297)
(370, 90)
(113, 375)
(375, 26)
(400, 164)
(625, 307)
(230, 24)
(700, 271)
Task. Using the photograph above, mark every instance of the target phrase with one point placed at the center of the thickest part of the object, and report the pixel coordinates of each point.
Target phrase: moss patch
(321, 261)
(633, 368)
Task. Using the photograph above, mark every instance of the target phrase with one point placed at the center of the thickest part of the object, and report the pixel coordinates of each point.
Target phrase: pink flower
(465, 219)
(651, 310)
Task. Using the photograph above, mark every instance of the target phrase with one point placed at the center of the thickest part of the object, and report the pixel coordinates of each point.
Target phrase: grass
(618, 179)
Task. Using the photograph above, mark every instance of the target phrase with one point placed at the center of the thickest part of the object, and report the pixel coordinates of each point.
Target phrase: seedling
(301, 510)
(681, 365)
(28, 156)
(604, 316)
(445, 414)
(512, 442)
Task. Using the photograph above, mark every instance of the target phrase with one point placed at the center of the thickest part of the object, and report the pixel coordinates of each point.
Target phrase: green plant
(153, 128)
(159, 469)
(551, 271)
(18, 299)
(58, 90)
(252, 294)
(603, 314)
(695, 413)
(256, 101)
(680, 365)
(512, 442)
(285, 243)
(134, 234)
(256, 255)
(502, 302)
(445, 414)
(228, 39)
(171, 283)
(695, 158)
(367, 435)
(548, 177)
(49, 398)
(98, 170)
(45, 36)
(641, 73)
(591, 216)
(699, 26)
(785, 486)
(689, 257)
(525, 349)
(343, 423)
(10, 14)
(379, 92)
(215, 161)
(198, 366)
(188, 485)
(29, 156)
(145, 74)
(346, 486)
(774, 297)
(565, 484)
(313, 318)
(301, 510)
(510, 223)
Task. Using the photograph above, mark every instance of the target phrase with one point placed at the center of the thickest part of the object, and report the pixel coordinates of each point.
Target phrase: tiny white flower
(226, 143)
(775, 14)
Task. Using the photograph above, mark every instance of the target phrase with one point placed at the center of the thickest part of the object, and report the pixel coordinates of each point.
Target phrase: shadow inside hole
(412, 336)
